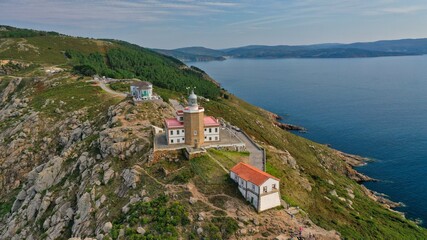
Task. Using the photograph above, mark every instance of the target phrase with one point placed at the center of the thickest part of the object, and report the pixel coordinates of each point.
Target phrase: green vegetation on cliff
(12, 32)
(111, 58)
(130, 61)
(310, 172)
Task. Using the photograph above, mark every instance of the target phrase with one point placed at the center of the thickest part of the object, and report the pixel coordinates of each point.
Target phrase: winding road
(104, 87)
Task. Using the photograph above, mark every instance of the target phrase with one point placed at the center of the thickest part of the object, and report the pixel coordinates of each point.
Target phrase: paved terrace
(256, 157)
(229, 136)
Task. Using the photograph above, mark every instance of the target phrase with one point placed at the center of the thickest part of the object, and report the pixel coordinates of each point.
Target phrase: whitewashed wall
(269, 201)
(213, 135)
(177, 137)
(269, 184)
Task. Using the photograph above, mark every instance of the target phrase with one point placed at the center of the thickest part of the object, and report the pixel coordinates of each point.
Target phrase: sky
(222, 24)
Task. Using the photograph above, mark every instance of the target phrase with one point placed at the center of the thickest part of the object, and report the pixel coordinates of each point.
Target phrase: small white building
(259, 188)
(141, 90)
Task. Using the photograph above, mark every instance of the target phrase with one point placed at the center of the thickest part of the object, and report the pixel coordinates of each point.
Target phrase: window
(210, 130)
(216, 130)
(274, 186)
(177, 132)
(195, 132)
(206, 137)
(216, 138)
(171, 140)
(182, 139)
(183, 131)
(253, 187)
(171, 132)
(210, 139)
(178, 141)
(206, 129)
(264, 189)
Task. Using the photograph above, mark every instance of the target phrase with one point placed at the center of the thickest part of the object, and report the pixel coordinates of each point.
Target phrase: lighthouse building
(191, 126)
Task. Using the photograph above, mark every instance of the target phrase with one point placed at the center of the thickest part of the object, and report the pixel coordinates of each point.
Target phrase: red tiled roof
(210, 121)
(173, 123)
(251, 174)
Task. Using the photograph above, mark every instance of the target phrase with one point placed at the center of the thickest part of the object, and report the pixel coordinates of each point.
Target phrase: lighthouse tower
(194, 122)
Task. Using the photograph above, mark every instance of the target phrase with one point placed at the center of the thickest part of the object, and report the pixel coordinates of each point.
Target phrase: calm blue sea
(373, 107)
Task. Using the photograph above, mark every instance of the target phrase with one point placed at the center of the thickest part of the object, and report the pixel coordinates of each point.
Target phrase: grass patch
(49, 49)
(120, 86)
(5, 208)
(208, 170)
(229, 158)
(4, 82)
(74, 95)
(167, 94)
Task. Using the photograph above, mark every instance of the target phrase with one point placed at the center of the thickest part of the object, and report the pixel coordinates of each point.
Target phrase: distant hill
(194, 54)
(191, 56)
(201, 51)
(411, 46)
(403, 47)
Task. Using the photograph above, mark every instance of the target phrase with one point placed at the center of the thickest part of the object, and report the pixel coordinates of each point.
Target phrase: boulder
(49, 175)
(333, 193)
(33, 206)
(192, 200)
(107, 227)
(130, 177)
(140, 230)
(108, 175)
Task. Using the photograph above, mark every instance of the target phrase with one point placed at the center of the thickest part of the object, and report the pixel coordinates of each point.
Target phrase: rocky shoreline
(286, 126)
(353, 161)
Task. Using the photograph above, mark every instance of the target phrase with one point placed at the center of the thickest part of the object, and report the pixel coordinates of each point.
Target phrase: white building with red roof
(259, 188)
(191, 126)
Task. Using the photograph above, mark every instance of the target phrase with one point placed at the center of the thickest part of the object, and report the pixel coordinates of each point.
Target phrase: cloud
(404, 10)
(116, 11)
(305, 12)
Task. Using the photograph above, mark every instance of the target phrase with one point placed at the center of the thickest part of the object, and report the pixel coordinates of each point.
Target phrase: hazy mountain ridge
(402, 47)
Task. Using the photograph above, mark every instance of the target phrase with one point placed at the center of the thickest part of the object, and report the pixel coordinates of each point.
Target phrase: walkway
(256, 156)
(104, 87)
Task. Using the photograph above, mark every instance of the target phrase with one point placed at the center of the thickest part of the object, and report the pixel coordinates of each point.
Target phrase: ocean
(372, 107)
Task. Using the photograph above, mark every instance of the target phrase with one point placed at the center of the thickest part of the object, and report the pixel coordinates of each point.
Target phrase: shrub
(85, 70)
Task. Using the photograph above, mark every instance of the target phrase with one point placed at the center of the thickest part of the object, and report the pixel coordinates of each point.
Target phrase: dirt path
(176, 105)
(201, 197)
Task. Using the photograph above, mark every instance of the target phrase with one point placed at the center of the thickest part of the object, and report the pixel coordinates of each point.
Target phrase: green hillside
(111, 58)
(74, 158)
